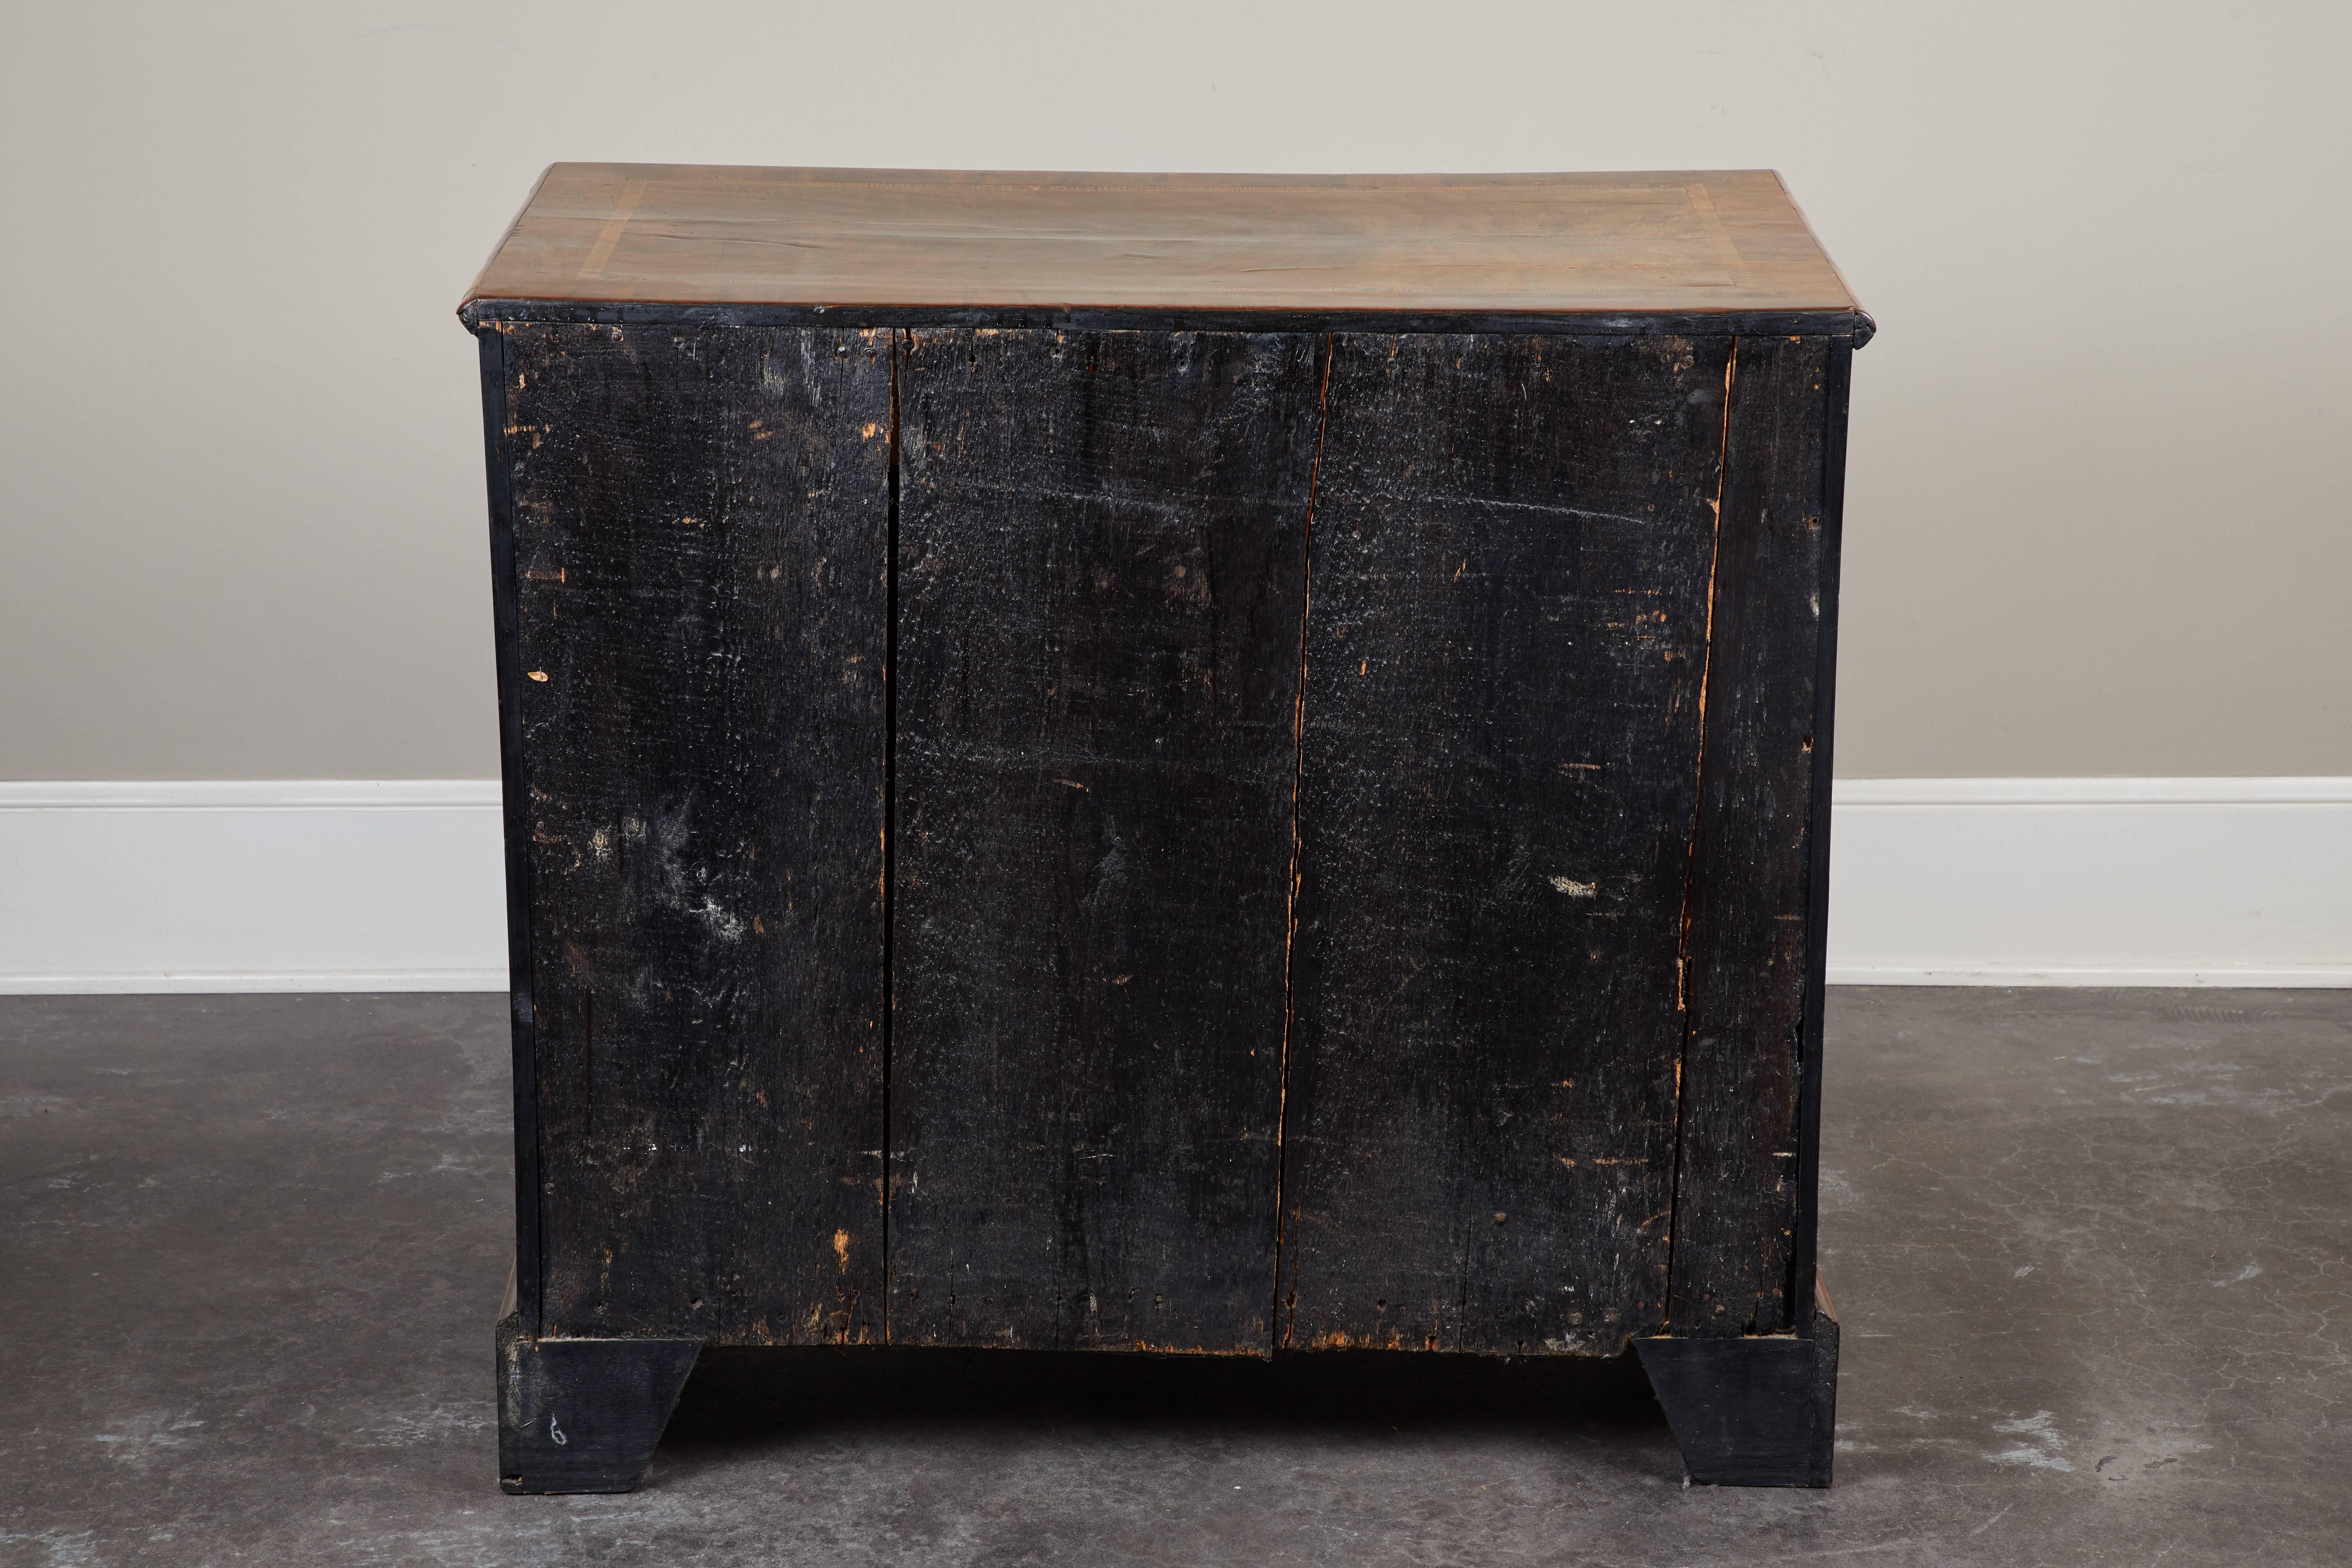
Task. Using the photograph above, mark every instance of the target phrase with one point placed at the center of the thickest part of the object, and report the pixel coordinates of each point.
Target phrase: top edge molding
(1330, 248)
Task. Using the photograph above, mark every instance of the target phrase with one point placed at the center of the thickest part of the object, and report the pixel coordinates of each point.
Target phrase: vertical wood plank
(1838, 385)
(1101, 555)
(700, 529)
(491, 346)
(1508, 578)
(1738, 1175)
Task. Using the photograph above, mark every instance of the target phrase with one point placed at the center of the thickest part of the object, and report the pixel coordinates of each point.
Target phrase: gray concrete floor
(2089, 1248)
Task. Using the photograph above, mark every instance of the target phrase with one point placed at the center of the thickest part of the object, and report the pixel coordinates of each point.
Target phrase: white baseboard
(275, 884)
(2133, 882)
(395, 884)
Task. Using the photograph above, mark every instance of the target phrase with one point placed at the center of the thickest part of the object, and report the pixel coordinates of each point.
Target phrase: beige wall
(2097, 521)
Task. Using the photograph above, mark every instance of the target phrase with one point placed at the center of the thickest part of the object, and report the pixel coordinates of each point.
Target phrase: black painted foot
(1752, 1411)
(584, 1415)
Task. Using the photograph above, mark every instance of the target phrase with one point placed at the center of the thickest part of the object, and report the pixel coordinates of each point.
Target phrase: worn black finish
(699, 535)
(1750, 953)
(1758, 1411)
(500, 460)
(1837, 387)
(1854, 327)
(1296, 838)
(584, 1415)
(1500, 771)
(1101, 557)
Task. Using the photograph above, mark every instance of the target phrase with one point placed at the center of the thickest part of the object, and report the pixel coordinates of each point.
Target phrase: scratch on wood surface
(1690, 872)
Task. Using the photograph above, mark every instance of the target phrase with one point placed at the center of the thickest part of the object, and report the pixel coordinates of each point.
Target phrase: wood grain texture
(700, 530)
(1509, 567)
(1836, 394)
(1738, 1179)
(515, 825)
(1100, 600)
(1608, 243)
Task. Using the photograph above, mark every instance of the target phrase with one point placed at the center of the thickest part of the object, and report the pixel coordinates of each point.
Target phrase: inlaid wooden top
(1516, 244)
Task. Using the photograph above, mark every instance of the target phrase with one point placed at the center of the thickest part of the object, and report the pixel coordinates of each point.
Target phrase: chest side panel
(1740, 1170)
(1101, 556)
(1512, 544)
(701, 524)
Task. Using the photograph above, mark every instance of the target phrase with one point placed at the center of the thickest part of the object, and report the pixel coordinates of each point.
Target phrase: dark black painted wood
(1100, 599)
(1837, 390)
(1759, 1411)
(584, 1415)
(1854, 327)
(499, 461)
(1752, 947)
(699, 531)
(1083, 929)
(1510, 570)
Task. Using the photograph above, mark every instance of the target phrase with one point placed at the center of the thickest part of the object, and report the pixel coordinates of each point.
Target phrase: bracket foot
(1754, 1412)
(584, 1415)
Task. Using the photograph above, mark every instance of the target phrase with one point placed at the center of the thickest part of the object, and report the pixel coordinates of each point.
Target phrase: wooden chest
(1220, 765)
